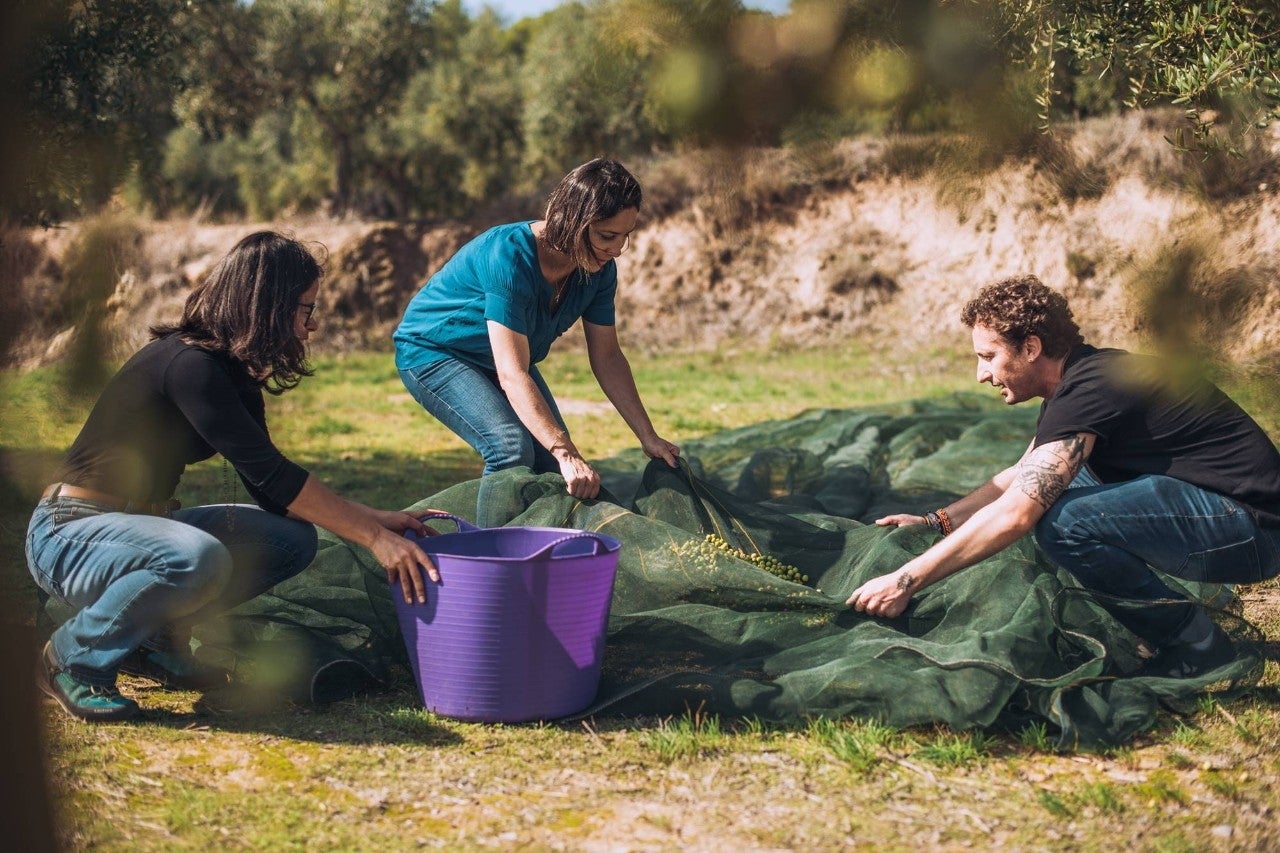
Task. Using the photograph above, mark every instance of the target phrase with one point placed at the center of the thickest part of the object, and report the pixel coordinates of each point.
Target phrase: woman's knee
(302, 542)
(205, 566)
(508, 446)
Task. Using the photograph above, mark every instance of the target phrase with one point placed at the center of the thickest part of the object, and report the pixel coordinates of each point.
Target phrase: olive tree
(87, 87)
(1218, 59)
(340, 64)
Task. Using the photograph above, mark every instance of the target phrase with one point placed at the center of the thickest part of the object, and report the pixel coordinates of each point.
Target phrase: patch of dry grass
(375, 773)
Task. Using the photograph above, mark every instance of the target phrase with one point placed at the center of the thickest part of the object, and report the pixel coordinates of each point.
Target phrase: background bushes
(414, 108)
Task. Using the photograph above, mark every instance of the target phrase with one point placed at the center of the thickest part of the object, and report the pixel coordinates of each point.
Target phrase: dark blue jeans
(1111, 536)
(131, 578)
(470, 402)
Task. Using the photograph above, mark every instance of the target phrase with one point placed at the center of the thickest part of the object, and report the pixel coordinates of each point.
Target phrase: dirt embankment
(878, 239)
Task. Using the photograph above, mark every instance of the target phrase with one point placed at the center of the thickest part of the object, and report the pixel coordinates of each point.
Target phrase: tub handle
(548, 550)
(464, 526)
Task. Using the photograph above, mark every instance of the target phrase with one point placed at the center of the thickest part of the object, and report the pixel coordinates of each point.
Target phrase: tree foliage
(340, 64)
(583, 91)
(417, 108)
(94, 80)
(456, 137)
(1218, 59)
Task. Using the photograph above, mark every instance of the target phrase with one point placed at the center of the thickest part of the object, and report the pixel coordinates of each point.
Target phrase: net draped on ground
(1009, 642)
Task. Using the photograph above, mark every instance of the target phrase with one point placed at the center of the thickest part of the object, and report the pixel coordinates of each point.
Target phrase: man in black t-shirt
(1130, 468)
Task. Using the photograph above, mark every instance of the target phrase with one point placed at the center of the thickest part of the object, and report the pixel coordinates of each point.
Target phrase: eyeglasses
(310, 308)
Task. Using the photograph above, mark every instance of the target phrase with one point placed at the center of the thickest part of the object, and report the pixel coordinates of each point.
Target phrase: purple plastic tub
(514, 631)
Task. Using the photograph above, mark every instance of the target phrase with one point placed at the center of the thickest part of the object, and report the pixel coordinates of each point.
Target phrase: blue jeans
(1111, 536)
(470, 402)
(132, 578)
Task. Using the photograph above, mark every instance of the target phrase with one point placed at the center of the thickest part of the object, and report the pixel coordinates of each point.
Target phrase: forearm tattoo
(906, 582)
(1045, 475)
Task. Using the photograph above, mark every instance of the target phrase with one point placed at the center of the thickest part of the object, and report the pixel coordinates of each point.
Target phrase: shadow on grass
(392, 717)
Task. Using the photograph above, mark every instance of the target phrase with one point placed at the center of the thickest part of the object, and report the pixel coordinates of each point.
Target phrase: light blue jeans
(470, 402)
(132, 578)
(1111, 536)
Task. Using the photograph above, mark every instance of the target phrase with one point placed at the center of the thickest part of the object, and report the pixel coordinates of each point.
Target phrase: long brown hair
(246, 309)
(596, 190)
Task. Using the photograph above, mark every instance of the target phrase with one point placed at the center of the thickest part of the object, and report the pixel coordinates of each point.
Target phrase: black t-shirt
(1148, 422)
(171, 405)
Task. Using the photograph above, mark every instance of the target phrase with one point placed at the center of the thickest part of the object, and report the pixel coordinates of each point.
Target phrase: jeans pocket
(1239, 562)
(67, 510)
(37, 540)
(435, 374)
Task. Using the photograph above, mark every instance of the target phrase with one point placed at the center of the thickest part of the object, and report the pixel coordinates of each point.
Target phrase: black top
(173, 404)
(1148, 422)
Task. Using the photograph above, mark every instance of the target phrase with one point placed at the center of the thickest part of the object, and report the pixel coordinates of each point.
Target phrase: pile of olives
(705, 552)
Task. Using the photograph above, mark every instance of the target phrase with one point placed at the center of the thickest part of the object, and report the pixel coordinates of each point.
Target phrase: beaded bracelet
(944, 521)
(931, 518)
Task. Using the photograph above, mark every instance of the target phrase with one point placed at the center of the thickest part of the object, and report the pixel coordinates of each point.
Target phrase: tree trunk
(343, 188)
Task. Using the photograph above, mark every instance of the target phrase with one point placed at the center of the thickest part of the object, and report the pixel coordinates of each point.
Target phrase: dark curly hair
(1019, 307)
(596, 190)
(246, 309)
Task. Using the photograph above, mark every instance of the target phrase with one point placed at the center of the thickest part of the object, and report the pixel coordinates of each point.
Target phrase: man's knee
(1055, 530)
(1063, 532)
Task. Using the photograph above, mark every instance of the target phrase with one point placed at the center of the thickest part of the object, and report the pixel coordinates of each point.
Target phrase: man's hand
(901, 519)
(886, 595)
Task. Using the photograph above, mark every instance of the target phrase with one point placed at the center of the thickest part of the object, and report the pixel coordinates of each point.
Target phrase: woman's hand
(887, 595)
(901, 519)
(376, 529)
(581, 480)
(656, 447)
(402, 521)
(403, 559)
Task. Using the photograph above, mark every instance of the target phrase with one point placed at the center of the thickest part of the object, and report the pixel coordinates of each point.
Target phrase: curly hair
(1019, 307)
(596, 190)
(246, 309)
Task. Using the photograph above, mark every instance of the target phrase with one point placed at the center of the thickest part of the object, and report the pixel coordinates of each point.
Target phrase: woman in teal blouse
(470, 340)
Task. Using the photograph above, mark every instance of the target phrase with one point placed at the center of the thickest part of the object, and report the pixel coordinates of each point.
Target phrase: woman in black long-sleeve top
(109, 540)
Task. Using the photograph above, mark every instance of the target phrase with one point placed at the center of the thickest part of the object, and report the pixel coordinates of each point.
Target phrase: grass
(688, 736)
(378, 772)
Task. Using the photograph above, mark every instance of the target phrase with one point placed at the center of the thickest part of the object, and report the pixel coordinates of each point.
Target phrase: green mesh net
(707, 610)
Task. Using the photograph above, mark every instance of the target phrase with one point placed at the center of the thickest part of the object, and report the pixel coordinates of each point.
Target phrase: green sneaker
(173, 670)
(82, 700)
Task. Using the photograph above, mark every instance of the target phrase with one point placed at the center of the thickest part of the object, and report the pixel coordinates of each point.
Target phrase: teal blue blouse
(496, 277)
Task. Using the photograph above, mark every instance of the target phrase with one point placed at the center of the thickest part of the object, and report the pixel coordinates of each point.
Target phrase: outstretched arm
(381, 531)
(962, 510)
(1038, 480)
(511, 357)
(613, 372)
